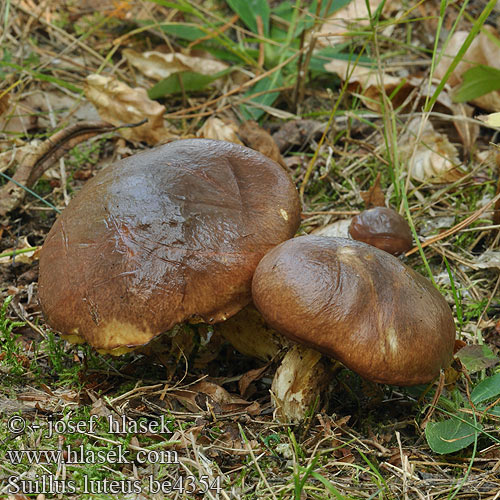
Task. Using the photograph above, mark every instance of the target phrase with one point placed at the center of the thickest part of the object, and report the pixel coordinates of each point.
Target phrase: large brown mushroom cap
(383, 228)
(165, 236)
(358, 304)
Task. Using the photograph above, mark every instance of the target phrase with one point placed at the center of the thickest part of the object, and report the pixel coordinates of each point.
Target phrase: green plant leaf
(43, 77)
(248, 10)
(324, 56)
(184, 31)
(495, 410)
(284, 11)
(477, 357)
(254, 112)
(477, 81)
(181, 6)
(451, 435)
(189, 81)
(487, 389)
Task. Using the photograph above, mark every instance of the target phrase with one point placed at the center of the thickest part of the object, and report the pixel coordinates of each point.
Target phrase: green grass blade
(459, 56)
(28, 190)
(249, 10)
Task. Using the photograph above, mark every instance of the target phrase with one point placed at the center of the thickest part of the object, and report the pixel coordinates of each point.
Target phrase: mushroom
(166, 236)
(383, 228)
(357, 304)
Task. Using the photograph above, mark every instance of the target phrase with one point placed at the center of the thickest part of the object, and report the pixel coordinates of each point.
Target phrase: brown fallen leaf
(16, 117)
(215, 128)
(259, 139)
(297, 133)
(251, 376)
(4, 104)
(436, 158)
(158, 65)
(207, 396)
(120, 104)
(374, 197)
(483, 50)
(337, 229)
(335, 28)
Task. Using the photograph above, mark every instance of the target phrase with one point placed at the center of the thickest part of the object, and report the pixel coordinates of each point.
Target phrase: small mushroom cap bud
(383, 228)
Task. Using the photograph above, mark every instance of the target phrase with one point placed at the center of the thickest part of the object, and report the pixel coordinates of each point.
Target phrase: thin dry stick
(260, 29)
(60, 31)
(456, 228)
(214, 33)
(487, 304)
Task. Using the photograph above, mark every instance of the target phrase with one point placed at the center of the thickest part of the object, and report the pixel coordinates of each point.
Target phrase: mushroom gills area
(357, 304)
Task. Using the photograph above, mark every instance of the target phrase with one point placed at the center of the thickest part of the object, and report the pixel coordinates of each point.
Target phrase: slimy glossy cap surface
(357, 304)
(161, 237)
(383, 228)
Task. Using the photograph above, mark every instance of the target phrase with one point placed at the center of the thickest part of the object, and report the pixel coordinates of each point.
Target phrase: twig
(458, 227)
(34, 161)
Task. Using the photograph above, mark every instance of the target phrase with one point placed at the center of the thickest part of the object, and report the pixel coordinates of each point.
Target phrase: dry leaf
(493, 120)
(17, 117)
(406, 93)
(297, 133)
(25, 258)
(487, 260)
(481, 51)
(4, 104)
(215, 128)
(374, 197)
(435, 159)
(157, 65)
(337, 229)
(62, 105)
(259, 139)
(120, 104)
(337, 25)
(204, 396)
(100, 409)
(367, 82)
(251, 376)
(467, 130)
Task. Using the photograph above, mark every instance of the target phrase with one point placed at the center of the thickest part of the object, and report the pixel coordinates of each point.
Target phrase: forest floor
(362, 109)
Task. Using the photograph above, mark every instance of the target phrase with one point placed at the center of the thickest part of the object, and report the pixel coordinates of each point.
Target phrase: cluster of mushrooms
(196, 230)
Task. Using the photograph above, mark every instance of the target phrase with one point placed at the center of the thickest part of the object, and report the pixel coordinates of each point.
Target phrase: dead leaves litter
(483, 50)
(120, 104)
(158, 65)
(434, 159)
(206, 396)
(215, 128)
(257, 138)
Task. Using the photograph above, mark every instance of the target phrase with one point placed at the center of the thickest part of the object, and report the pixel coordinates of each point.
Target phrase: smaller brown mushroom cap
(383, 228)
(357, 304)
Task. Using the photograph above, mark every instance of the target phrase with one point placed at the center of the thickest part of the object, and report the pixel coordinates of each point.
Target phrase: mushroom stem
(298, 384)
(248, 333)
